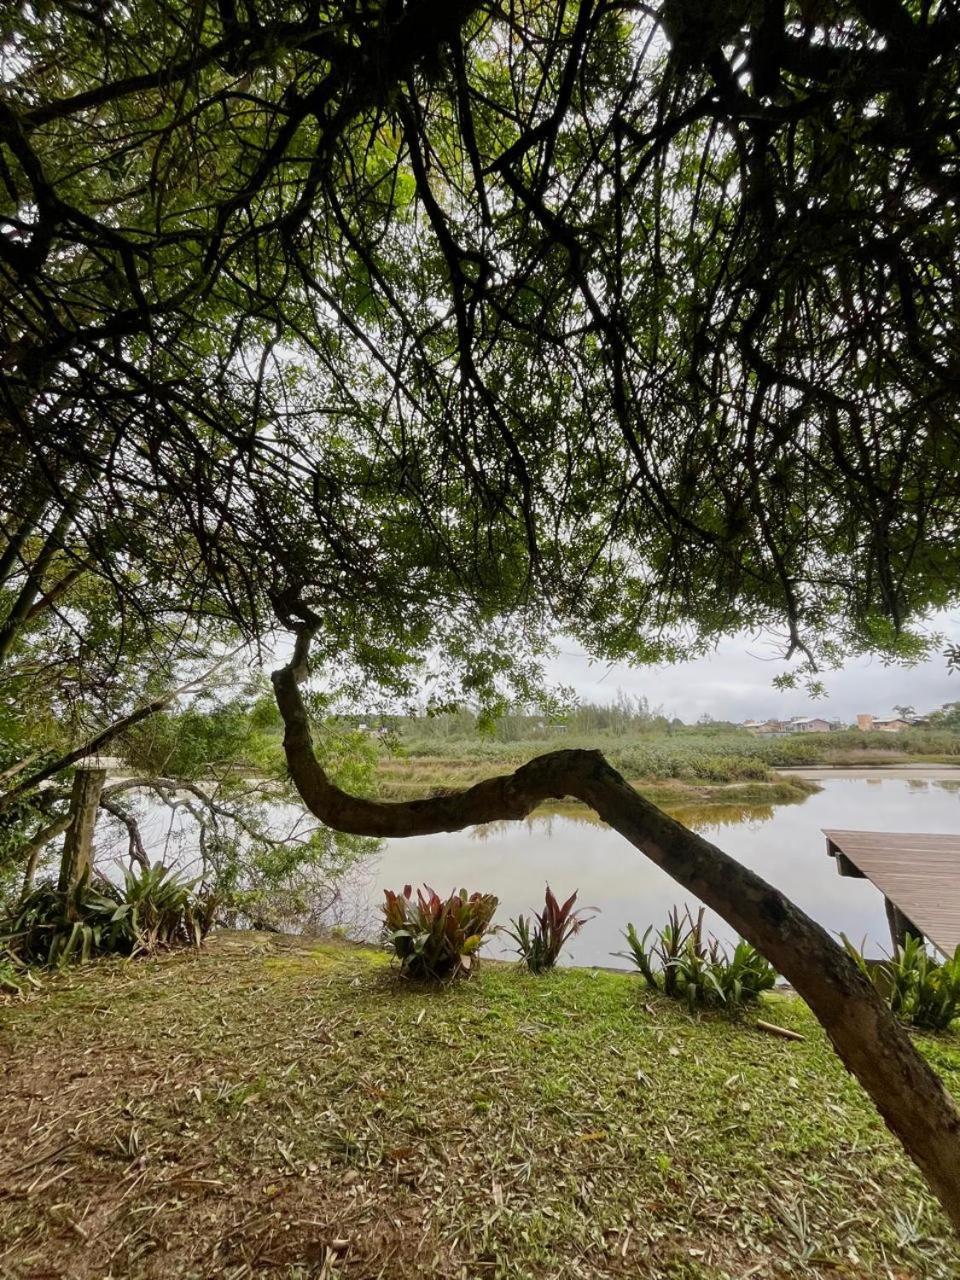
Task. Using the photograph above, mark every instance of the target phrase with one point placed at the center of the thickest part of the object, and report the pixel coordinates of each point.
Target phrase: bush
(155, 908)
(164, 909)
(683, 964)
(541, 939)
(920, 990)
(434, 938)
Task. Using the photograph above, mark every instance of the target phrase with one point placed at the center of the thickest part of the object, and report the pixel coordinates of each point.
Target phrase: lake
(784, 844)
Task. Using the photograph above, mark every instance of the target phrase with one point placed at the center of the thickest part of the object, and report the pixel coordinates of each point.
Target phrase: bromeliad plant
(920, 990)
(542, 937)
(165, 910)
(155, 908)
(434, 938)
(682, 963)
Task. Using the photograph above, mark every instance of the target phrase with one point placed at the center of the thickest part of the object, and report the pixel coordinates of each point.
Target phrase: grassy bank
(292, 1112)
(407, 778)
(682, 767)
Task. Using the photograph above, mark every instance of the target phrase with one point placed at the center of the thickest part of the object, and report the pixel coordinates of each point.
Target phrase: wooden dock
(918, 875)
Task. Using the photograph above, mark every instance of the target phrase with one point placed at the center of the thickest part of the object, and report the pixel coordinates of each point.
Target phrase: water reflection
(697, 816)
(784, 844)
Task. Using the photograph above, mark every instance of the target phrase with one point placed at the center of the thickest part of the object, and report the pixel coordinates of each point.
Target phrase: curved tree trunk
(872, 1045)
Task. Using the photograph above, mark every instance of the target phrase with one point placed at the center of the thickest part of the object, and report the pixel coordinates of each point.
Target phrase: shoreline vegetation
(683, 769)
(270, 1104)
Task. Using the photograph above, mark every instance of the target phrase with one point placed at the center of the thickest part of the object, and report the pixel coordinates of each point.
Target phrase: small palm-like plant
(49, 927)
(165, 909)
(436, 938)
(682, 963)
(542, 937)
(155, 908)
(920, 990)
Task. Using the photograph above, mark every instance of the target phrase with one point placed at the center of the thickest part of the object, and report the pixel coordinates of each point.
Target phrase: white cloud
(736, 682)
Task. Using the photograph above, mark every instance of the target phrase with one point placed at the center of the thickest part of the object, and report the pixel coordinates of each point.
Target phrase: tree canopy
(637, 321)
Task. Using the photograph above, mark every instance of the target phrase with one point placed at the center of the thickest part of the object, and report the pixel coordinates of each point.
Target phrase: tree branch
(93, 745)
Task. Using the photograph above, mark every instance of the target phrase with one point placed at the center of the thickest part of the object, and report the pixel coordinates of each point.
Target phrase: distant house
(765, 728)
(779, 728)
(895, 724)
(808, 724)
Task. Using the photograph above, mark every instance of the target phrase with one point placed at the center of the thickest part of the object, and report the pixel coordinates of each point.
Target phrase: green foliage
(682, 963)
(14, 977)
(921, 990)
(155, 909)
(206, 738)
(660, 749)
(164, 909)
(541, 938)
(52, 928)
(436, 939)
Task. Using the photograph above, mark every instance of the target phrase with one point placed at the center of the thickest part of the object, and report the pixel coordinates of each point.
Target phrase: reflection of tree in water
(701, 817)
(270, 863)
(705, 817)
(948, 784)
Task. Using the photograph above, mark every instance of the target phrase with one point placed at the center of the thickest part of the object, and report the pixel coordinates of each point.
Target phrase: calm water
(785, 845)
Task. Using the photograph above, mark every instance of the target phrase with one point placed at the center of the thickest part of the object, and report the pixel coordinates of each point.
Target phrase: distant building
(764, 728)
(780, 728)
(808, 724)
(895, 724)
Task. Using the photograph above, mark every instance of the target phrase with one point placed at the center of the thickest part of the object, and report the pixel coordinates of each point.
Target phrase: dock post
(900, 925)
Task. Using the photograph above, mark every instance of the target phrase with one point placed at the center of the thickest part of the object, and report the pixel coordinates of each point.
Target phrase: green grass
(688, 765)
(273, 1110)
(718, 754)
(412, 777)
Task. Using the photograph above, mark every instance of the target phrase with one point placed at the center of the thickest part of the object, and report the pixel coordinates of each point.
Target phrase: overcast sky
(735, 683)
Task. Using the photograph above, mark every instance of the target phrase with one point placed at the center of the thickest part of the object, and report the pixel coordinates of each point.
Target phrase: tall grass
(694, 755)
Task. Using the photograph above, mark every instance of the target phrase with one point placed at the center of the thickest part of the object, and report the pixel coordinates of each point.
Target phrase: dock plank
(917, 871)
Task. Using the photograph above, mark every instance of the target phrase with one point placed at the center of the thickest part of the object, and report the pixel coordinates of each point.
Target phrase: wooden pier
(918, 875)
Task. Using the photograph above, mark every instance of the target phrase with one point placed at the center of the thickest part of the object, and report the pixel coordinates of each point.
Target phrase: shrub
(155, 908)
(436, 938)
(541, 938)
(920, 990)
(165, 910)
(682, 963)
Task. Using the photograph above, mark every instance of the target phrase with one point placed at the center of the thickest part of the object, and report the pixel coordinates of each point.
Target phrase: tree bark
(36, 846)
(78, 846)
(873, 1046)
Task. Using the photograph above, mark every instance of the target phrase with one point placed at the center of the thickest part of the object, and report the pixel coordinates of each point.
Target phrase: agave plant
(52, 928)
(165, 909)
(436, 938)
(155, 908)
(542, 937)
(683, 963)
(922, 991)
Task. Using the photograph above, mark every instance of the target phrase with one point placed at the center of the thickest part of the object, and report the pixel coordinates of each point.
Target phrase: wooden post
(900, 925)
(78, 846)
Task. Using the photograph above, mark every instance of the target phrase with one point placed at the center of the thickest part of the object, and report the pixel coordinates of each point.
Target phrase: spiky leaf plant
(542, 937)
(436, 938)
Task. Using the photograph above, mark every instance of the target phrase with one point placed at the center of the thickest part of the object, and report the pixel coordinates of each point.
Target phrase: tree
(466, 322)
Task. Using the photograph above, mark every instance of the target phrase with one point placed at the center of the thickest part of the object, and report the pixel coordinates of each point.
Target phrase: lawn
(269, 1108)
